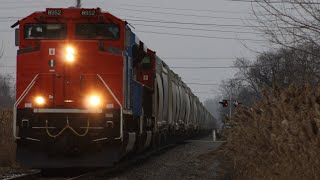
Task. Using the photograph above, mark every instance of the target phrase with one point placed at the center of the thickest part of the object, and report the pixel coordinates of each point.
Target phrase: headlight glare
(94, 101)
(39, 100)
(70, 57)
(70, 52)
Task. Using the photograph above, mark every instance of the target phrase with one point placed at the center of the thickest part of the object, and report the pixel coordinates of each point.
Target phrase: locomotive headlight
(70, 57)
(39, 100)
(94, 101)
(70, 50)
(70, 54)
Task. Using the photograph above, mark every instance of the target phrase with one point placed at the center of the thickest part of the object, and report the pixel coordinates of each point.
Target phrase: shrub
(7, 145)
(279, 137)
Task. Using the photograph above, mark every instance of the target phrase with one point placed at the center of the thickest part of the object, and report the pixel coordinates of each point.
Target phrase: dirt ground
(197, 159)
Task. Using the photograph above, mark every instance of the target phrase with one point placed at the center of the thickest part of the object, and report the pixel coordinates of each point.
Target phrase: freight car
(89, 92)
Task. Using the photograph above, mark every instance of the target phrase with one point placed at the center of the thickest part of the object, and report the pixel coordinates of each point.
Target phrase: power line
(191, 23)
(201, 36)
(181, 58)
(187, 28)
(204, 84)
(153, 20)
(206, 58)
(10, 17)
(204, 67)
(184, 9)
(181, 14)
(198, 79)
(274, 2)
(217, 67)
(204, 93)
(44, 5)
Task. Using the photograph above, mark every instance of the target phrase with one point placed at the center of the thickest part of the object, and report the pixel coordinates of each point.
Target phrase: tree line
(6, 89)
(292, 29)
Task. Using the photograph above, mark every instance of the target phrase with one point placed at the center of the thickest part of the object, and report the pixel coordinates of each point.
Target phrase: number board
(88, 12)
(54, 12)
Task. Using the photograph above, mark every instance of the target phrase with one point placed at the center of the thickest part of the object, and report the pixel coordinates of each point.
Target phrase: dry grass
(7, 145)
(278, 138)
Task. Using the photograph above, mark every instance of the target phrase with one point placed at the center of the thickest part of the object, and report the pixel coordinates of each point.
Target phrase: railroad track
(25, 176)
(121, 166)
(102, 172)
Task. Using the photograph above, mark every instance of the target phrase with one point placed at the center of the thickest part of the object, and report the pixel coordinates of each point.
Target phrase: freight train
(89, 92)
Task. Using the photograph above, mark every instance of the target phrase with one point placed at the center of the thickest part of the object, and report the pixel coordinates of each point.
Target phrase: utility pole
(230, 98)
(78, 4)
(230, 94)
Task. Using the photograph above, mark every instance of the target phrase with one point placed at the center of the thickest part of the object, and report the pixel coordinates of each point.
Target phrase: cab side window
(146, 63)
(97, 31)
(45, 31)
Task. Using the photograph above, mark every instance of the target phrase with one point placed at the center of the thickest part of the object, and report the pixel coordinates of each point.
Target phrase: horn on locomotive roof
(78, 4)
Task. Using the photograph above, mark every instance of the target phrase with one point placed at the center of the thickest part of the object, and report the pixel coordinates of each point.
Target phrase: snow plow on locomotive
(89, 92)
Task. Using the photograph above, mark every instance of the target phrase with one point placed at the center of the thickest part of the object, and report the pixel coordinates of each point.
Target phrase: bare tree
(6, 91)
(6, 95)
(290, 23)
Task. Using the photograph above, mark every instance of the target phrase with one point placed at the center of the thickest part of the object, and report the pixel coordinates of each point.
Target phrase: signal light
(236, 103)
(224, 103)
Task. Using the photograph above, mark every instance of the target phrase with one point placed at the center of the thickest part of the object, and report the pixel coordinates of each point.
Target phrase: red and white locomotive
(89, 92)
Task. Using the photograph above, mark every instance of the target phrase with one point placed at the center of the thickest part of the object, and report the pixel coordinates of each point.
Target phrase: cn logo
(52, 51)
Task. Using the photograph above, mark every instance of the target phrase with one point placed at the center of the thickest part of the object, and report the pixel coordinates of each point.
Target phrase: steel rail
(32, 175)
(122, 166)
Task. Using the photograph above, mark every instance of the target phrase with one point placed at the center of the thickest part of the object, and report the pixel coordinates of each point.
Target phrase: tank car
(89, 92)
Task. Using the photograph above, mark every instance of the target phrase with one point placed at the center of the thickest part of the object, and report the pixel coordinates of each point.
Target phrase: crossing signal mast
(225, 103)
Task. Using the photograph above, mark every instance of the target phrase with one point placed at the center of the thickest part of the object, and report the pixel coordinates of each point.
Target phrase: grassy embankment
(278, 138)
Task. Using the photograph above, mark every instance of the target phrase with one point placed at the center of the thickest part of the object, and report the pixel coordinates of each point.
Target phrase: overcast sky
(207, 45)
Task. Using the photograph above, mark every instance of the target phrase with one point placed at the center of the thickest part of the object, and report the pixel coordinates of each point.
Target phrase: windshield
(97, 31)
(45, 31)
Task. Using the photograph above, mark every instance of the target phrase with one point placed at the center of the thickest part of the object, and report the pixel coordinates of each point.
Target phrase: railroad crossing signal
(236, 103)
(224, 103)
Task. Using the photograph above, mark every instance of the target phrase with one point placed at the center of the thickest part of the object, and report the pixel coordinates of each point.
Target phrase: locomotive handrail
(25, 92)
(118, 102)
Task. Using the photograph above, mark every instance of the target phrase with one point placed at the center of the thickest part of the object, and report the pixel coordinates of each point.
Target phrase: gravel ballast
(196, 159)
